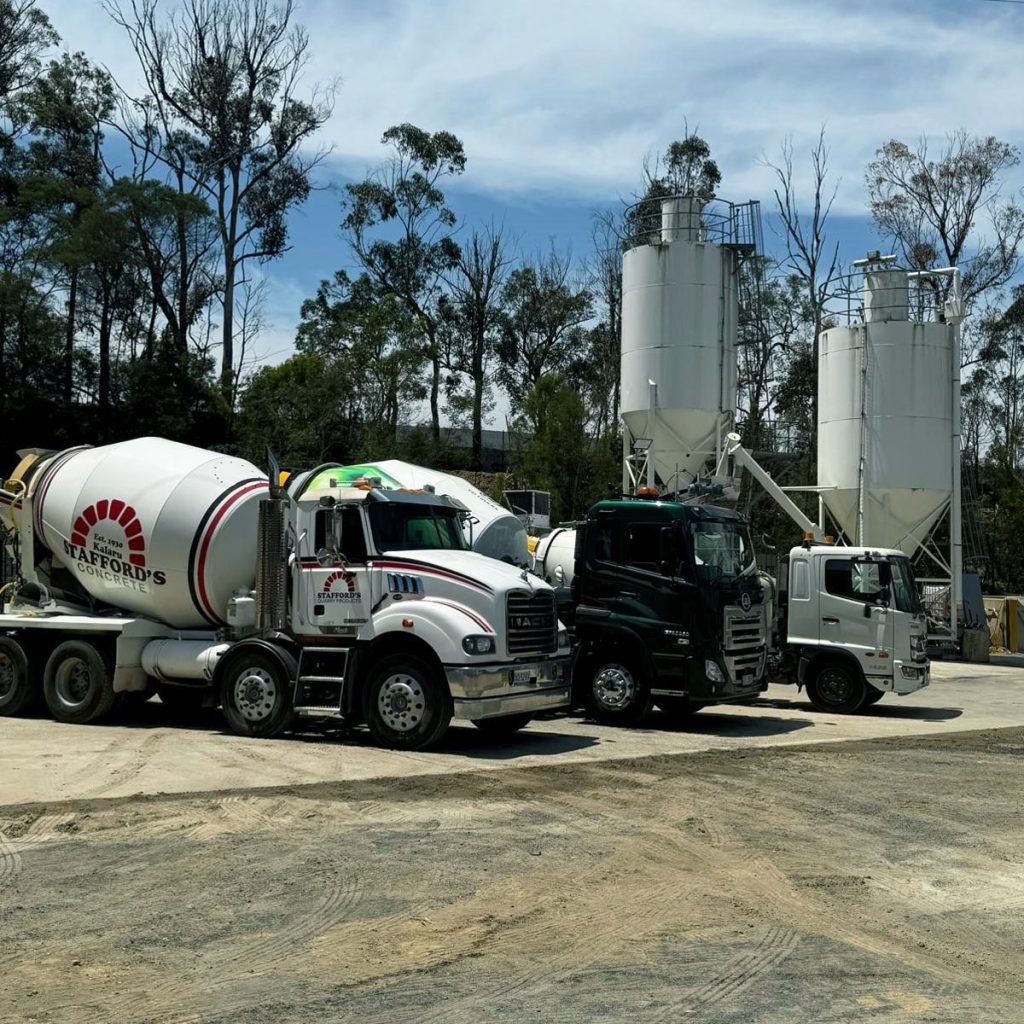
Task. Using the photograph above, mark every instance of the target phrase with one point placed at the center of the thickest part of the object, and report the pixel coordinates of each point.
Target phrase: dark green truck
(667, 608)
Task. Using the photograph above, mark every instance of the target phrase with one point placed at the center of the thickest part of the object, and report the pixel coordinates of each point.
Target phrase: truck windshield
(721, 550)
(904, 587)
(411, 527)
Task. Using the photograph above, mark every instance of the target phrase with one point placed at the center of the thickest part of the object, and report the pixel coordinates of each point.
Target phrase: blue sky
(558, 103)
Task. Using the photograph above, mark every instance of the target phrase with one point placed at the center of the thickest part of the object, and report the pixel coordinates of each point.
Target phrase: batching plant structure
(889, 421)
(681, 296)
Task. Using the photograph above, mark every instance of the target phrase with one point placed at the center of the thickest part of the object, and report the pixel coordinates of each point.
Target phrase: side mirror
(324, 557)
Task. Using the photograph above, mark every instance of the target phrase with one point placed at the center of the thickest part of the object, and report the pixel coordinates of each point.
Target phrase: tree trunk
(69, 338)
(106, 318)
(435, 386)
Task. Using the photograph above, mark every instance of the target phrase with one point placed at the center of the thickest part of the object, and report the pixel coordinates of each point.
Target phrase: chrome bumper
(489, 691)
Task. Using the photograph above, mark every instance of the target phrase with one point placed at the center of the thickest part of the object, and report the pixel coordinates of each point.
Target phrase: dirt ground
(876, 880)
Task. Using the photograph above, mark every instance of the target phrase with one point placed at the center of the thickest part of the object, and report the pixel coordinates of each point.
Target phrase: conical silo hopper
(885, 419)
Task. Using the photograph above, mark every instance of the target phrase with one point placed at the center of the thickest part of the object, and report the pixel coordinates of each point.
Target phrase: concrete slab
(43, 761)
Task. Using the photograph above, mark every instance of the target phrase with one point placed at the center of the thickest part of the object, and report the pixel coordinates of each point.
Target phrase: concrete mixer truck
(154, 561)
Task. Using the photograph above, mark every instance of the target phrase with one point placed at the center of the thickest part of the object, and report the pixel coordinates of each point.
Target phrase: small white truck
(152, 562)
(849, 625)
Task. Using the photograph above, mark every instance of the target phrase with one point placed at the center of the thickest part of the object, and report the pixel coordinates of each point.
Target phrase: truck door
(338, 584)
(854, 607)
(638, 565)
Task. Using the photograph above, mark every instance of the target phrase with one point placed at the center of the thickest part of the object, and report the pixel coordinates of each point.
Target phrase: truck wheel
(618, 694)
(504, 726)
(837, 689)
(256, 696)
(873, 696)
(407, 707)
(78, 683)
(16, 689)
(678, 708)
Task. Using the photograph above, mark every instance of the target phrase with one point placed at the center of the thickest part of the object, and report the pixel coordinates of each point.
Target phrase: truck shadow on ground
(880, 710)
(462, 739)
(707, 723)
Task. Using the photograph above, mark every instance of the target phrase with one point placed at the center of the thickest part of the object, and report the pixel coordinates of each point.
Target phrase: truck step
(319, 711)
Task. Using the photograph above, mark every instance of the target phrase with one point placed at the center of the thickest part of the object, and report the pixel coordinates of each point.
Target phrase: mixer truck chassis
(367, 606)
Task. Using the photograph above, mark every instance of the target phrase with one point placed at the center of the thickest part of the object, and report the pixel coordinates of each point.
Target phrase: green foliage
(555, 450)
(930, 208)
(541, 328)
(300, 409)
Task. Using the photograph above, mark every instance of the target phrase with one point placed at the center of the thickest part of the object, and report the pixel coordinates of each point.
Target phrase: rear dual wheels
(17, 687)
(78, 682)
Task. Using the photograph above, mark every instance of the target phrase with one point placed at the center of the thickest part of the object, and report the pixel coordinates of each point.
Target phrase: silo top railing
(658, 219)
(880, 294)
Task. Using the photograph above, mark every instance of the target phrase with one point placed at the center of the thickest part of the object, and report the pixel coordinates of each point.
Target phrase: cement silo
(889, 418)
(680, 300)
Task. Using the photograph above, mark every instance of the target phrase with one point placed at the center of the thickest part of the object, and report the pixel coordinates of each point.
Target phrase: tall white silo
(679, 322)
(889, 418)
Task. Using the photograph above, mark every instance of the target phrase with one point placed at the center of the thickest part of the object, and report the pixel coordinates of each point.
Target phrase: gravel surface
(870, 880)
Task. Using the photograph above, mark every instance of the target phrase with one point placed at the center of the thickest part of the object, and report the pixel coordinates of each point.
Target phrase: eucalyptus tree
(224, 78)
(400, 227)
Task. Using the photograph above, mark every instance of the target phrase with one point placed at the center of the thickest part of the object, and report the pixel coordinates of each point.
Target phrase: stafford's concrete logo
(348, 594)
(108, 541)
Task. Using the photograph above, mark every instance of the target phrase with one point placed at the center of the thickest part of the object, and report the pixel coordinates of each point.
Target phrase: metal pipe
(735, 450)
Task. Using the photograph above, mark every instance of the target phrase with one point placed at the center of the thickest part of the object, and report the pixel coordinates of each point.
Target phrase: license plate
(747, 680)
(522, 677)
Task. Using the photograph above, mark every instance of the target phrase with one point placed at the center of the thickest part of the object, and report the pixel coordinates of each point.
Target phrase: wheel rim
(401, 702)
(255, 694)
(614, 687)
(73, 682)
(835, 686)
(7, 676)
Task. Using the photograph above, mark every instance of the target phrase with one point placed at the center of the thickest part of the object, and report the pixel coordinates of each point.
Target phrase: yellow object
(531, 544)
(282, 477)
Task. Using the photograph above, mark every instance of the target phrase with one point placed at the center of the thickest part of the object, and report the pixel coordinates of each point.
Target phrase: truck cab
(669, 609)
(850, 625)
(386, 577)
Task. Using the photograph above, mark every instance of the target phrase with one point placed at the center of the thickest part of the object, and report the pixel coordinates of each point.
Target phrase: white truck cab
(850, 625)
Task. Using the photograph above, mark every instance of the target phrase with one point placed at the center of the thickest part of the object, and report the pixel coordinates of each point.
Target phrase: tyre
(407, 706)
(618, 694)
(256, 695)
(504, 726)
(838, 689)
(873, 696)
(181, 698)
(78, 683)
(16, 684)
(679, 709)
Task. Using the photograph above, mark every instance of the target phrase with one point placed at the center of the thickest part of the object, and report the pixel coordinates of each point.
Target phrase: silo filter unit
(679, 322)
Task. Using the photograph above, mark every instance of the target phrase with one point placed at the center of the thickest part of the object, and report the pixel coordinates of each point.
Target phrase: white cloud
(567, 98)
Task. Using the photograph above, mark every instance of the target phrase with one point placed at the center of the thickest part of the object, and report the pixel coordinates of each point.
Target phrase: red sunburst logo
(115, 511)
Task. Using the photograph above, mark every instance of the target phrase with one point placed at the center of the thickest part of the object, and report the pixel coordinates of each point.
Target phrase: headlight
(478, 644)
(563, 640)
(713, 672)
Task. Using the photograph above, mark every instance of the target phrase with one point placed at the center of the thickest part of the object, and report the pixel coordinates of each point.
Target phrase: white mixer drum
(153, 527)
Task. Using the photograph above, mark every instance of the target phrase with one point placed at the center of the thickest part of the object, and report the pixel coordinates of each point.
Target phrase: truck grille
(745, 642)
(744, 630)
(532, 623)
